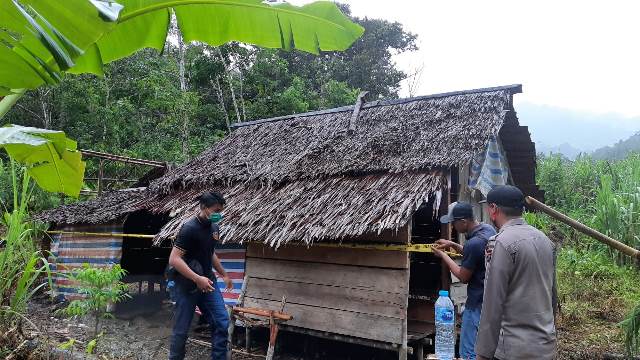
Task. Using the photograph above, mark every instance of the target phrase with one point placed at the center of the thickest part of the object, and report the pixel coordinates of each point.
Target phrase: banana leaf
(51, 158)
(41, 38)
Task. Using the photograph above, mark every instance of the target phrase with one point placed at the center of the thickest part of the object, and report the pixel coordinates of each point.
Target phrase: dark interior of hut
(145, 264)
(425, 272)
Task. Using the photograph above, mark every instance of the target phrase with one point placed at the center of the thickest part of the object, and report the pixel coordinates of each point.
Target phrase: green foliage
(631, 327)
(594, 279)
(21, 263)
(100, 287)
(49, 156)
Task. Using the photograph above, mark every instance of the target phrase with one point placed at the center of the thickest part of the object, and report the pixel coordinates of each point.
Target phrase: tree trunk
(228, 76)
(183, 89)
(221, 100)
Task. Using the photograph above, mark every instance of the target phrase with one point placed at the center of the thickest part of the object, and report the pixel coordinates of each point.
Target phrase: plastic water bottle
(445, 327)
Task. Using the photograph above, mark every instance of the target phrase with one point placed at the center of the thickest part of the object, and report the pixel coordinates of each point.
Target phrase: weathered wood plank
(387, 236)
(389, 280)
(332, 255)
(366, 326)
(377, 302)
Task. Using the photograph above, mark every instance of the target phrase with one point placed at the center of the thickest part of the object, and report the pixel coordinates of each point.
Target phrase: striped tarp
(232, 257)
(70, 251)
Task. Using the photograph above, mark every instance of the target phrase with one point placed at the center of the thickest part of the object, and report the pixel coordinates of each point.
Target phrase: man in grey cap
(470, 272)
(517, 319)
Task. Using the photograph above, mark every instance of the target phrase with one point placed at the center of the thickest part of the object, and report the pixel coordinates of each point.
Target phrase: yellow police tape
(422, 248)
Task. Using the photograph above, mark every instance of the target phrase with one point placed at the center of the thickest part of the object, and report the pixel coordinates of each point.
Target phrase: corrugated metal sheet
(70, 251)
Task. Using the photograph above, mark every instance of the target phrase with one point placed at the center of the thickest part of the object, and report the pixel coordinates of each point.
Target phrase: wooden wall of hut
(71, 251)
(351, 292)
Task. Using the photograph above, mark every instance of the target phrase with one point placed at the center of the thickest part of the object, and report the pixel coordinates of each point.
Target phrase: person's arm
(495, 295)
(218, 266)
(460, 272)
(176, 260)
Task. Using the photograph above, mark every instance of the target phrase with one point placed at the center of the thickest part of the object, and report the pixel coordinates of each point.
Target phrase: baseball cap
(457, 211)
(506, 195)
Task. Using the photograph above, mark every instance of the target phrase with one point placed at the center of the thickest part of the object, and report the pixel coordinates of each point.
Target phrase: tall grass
(606, 196)
(21, 262)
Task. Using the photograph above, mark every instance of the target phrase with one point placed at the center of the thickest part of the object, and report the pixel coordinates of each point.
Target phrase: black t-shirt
(197, 241)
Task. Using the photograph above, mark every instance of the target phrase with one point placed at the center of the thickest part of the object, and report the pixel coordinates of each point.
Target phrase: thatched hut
(305, 190)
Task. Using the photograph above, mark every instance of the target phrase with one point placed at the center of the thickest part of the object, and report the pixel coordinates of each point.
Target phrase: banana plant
(41, 39)
(51, 159)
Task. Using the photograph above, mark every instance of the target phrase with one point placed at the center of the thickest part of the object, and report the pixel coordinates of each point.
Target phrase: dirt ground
(143, 333)
(141, 330)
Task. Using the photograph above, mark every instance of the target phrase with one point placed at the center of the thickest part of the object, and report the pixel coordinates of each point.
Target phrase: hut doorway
(425, 278)
(145, 264)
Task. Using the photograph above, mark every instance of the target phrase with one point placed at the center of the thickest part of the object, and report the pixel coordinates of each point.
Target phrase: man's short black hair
(209, 199)
(511, 211)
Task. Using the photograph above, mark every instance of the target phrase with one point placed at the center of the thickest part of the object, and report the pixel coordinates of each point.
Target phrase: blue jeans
(212, 307)
(468, 333)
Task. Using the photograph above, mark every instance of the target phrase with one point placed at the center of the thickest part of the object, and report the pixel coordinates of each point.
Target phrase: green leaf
(315, 27)
(36, 34)
(51, 158)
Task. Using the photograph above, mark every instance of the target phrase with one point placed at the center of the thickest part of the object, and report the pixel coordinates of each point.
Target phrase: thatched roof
(410, 134)
(107, 208)
(305, 177)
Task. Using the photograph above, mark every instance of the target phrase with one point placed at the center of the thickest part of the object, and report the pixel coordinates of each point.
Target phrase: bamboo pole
(623, 248)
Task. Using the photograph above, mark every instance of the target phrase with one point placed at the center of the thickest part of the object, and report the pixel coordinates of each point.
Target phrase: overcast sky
(577, 55)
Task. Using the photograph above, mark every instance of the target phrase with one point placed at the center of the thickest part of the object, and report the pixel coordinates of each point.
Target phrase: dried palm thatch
(311, 210)
(306, 177)
(108, 207)
(412, 134)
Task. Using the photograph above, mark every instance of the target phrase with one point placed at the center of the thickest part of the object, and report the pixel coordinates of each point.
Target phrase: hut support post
(232, 321)
(247, 338)
(419, 351)
(402, 350)
(445, 233)
(100, 176)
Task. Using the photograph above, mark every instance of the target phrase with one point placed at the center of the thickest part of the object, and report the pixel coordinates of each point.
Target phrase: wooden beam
(356, 111)
(124, 159)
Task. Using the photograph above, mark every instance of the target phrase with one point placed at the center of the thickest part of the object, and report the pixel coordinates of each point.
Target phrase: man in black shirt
(193, 257)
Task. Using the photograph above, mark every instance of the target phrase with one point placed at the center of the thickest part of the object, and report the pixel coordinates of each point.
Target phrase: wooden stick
(264, 313)
(232, 322)
(623, 248)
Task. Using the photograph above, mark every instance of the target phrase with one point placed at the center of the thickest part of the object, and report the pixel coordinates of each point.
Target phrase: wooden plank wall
(354, 292)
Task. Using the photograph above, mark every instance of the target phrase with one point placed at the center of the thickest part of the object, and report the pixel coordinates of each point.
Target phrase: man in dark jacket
(472, 270)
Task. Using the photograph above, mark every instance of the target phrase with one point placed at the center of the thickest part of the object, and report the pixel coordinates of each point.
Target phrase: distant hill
(569, 132)
(566, 149)
(620, 150)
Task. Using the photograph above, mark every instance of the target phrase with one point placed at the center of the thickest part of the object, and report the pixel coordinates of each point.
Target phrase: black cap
(458, 211)
(507, 196)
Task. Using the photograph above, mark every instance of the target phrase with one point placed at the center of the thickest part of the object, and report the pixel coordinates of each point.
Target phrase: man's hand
(437, 252)
(228, 282)
(204, 284)
(444, 244)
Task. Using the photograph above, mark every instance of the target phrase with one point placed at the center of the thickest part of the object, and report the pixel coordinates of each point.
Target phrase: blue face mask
(216, 217)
